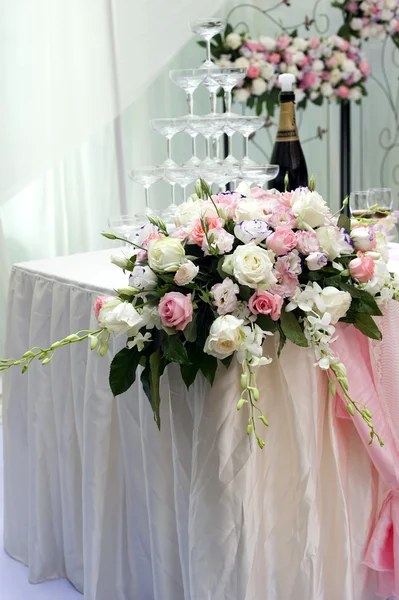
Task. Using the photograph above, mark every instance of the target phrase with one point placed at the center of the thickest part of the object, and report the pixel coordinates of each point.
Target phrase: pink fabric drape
(382, 553)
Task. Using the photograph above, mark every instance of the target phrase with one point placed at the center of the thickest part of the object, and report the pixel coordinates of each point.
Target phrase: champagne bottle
(287, 151)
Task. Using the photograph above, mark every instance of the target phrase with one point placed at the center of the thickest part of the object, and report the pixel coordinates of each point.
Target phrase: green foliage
(173, 349)
(123, 370)
(292, 329)
(344, 222)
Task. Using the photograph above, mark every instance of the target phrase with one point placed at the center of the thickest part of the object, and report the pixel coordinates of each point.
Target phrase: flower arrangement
(329, 69)
(370, 19)
(235, 268)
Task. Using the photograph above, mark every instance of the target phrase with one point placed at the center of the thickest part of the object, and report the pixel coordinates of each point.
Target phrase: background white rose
(233, 41)
(268, 42)
(165, 254)
(224, 337)
(186, 273)
(241, 94)
(309, 208)
(258, 86)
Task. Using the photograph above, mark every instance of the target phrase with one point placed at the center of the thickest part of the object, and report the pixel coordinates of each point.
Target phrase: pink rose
(362, 268)
(176, 310)
(181, 233)
(197, 234)
(325, 75)
(314, 42)
(352, 7)
(364, 67)
(283, 42)
(253, 72)
(331, 62)
(343, 45)
(288, 57)
(342, 91)
(282, 216)
(100, 301)
(265, 303)
(308, 80)
(307, 242)
(275, 58)
(254, 46)
(281, 241)
(305, 61)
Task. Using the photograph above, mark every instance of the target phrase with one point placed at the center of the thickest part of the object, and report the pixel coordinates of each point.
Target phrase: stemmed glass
(169, 128)
(259, 174)
(182, 175)
(124, 226)
(147, 176)
(383, 198)
(212, 86)
(360, 203)
(207, 126)
(188, 80)
(220, 174)
(246, 126)
(227, 79)
(207, 28)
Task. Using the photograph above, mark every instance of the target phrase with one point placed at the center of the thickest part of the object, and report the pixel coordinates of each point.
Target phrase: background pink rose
(281, 241)
(265, 303)
(100, 300)
(342, 91)
(362, 267)
(176, 310)
(253, 72)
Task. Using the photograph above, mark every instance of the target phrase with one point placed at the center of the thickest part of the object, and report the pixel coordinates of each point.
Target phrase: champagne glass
(246, 126)
(259, 174)
(383, 198)
(147, 176)
(188, 80)
(169, 128)
(213, 87)
(207, 126)
(182, 175)
(220, 174)
(360, 203)
(227, 79)
(207, 28)
(124, 226)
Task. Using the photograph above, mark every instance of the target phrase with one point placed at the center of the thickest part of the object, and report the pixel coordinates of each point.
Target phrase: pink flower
(100, 301)
(342, 44)
(288, 57)
(176, 310)
(285, 199)
(197, 234)
(265, 303)
(308, 80)
(254, 46)
(281, 241)
(325, 75)
(253, 72)
(181, 233)
(362, 267)
(307, 242)
(364, 238)
(153, 236)
(228, 202)
(282, 216)
(286, 282)
(141, 255)
(342, 91)
(283, 42)
(364, 67)
(352, 7)
(331, 62)
(314, 43)
(275, 58)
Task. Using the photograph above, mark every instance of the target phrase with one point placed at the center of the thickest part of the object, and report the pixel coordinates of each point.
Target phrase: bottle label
(287, 129)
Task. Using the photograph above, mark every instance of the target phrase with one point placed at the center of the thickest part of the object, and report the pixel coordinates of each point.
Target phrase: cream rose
(233, 40)
(165, 254)
(252, 266)
(224, 337)
(333, 301)
(118, 317)
(186, 273)
(309, 208)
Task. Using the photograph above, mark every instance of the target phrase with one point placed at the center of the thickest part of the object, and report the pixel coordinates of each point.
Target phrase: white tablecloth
(94, 493)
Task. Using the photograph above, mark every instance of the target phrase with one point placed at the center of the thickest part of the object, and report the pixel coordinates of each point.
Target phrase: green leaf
(227, 361)
(173, 349)
(345, 32)
(155, 374)
(208, 366)
(228, 30)
(189, 371)
(190, 331)
(245, 292)
(318, 101)
(292, 329)
(123, 370)
(344, 222)
(266, 323)
(363, 301)
(259, 107)
(366, 325)
(202, 44)
(251, 101)
(282, 341)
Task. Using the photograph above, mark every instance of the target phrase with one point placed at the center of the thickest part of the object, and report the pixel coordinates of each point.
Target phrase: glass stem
(189, 97)
(227, 99)
(194, 145)
(230, 145)
(147, 196)
(208, 147)
(169, 147)
(215, 147)
(183, 188)
(213, 100)
(246, 147)
(208, 50)
(172, 185)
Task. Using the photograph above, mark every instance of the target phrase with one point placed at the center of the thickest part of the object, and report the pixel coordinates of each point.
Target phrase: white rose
(316, 261)
(268, 42)
(293, 70)
(348, 65)
(242, 63)
(249, 209)
(258, 86)
(120, 261)
(143, 278)
(356, 24)
(335, 76)
(165, 254)
(241, 94)
(309, 208)
(224, 61)
(187, 212)
(314, 95)
(119, 317)
(225, 296)
(364, 238)
(186, 273)
(318, 65)
(252, 231)
(299, 95)
(252, 266)
(224, 337)
(355, 94)
(297, 56)
(333, 301)
(334, 241)
(267, 71)
(326, 89)
(300, 43)
(233, 41)
(386, 15)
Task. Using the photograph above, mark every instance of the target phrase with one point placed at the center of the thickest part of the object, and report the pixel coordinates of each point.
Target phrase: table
(94, 493)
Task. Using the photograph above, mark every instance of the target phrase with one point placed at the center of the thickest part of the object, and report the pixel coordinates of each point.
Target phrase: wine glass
(188, 80)
(220, 174)
(246, 126)
(207, 28)
(227, 79)
(124, 226)
(147, 176)
(169, 128)
(212, 86)
(183, 175)
(259, 174)
(207, 126)
(383, 198)
(360, 203)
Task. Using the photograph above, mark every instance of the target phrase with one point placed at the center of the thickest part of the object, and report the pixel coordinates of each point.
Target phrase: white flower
(314, 95)
(118, 317)
(300, 43)
(251, 346)
(335, 77)
(293, 70)
(268, 42)
(233, 41)
(119, 261)
(242, 63)
(297, 56)
(356, 24)
(380, 278)
(187, 212)
(326, 89)
(364, 238)
(382, 246)
(139, 340)
(299, 95)
(249, 209)
(292, 262)
(225, 296)
(255, 231)
(333, 301)
(143, 233)
(252, 266)
(241, 94)
(186, 273)
(309, 208)
(165, 254)
(348, 65)
(316, 261)
(150, 317)
(259, 86)
(267, 71)
(318, 65)
(220, 241)
(143, 278)
(224, 336)
(304, 298)
(355, 94)
(224, 61)
(334, 241)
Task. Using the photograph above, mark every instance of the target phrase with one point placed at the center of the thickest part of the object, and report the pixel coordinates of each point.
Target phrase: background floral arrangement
(370, 19)
(237, 267)
(331, 68)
